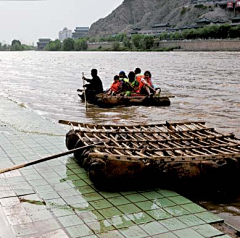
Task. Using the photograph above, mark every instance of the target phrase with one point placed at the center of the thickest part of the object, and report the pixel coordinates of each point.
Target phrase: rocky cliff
(144, 14)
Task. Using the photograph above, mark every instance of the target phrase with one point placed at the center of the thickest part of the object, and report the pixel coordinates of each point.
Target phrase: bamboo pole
(85, 96)
(47, 158)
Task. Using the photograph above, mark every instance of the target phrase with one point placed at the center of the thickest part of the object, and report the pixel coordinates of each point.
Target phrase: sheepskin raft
(162, 153)
(104, 100)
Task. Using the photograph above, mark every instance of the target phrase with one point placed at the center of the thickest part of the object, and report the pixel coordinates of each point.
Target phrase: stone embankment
(185, 45)
(203, 45)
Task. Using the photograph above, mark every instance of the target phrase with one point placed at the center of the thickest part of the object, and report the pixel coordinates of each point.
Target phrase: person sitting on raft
(116, 86)
(95, 84)
(146, 85)
(133, 84)
(123, 77)
(125, 82)
(138, 74)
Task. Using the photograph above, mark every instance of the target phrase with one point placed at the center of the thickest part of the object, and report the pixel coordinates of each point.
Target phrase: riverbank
(180, 45)
(183, 45)
(56, 198)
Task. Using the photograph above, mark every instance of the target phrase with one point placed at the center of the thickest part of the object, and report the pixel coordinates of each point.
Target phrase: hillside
(144, 14)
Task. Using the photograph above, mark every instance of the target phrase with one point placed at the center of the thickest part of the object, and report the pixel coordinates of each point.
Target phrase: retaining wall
(203, 45)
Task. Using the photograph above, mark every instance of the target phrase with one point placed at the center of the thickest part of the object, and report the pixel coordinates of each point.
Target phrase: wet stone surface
(56, 199)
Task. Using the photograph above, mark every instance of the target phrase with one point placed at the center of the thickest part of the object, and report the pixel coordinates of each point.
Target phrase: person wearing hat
(123, 76)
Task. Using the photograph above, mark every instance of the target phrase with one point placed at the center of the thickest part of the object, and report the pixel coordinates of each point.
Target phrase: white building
(64, 34)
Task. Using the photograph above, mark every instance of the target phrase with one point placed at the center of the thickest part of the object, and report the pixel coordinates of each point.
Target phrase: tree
(120, 37)
(234, 32)
(148, 42)
(28, 47)
(16, 42)
(68, 44)
(80, 44)
(5, 47)
(16, 46)
(136, 40)
(92, 39)
(127, 42)
(223, 31)
(163, 36)
(116, 46)
(54, 45)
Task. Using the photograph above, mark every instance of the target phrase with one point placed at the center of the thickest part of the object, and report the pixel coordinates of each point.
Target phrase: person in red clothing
(146, 85)
(138, 74)
(116, 86)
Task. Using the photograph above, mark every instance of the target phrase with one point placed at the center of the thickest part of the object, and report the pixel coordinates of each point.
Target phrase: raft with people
(171, 152)
(104, 100)
(134, 89)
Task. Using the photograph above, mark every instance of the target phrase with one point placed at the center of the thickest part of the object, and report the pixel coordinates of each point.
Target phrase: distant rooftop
(44, 39)
(160, 25)
(82, 28)
(202, 20)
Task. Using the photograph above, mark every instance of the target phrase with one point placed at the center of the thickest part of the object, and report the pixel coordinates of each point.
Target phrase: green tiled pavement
(207, 230)
(57, 199)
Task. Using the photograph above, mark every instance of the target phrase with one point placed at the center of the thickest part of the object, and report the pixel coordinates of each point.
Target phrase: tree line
(67, 45)
(135, 42)
(16, 45)
(119, 42)
(208, 32)
(123, 42)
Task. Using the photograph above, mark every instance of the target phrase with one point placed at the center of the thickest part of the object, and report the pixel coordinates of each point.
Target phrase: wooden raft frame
(167, 142)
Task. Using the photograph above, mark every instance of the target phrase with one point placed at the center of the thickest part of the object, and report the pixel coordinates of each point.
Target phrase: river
(206, 86)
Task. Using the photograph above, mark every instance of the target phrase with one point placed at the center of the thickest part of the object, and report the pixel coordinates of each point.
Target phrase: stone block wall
(203, 45)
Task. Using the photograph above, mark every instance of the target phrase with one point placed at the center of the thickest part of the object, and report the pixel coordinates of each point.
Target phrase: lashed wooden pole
(47, 158)
(85, 96)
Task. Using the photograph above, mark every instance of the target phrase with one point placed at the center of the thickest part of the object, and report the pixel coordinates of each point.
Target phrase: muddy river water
(206, 86)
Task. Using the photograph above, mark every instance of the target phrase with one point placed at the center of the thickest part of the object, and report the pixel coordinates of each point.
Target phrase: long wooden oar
(85, 96)
(47, 158)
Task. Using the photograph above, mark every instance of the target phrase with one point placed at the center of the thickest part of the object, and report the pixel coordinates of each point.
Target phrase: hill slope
(145, 13)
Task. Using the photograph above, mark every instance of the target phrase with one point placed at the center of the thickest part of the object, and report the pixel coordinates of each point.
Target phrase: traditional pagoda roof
(173, 29)
(236, 19)
(203, 20)
(218, 21)
(136, 29)
(195, 26)
(185, 27)
(160, 25)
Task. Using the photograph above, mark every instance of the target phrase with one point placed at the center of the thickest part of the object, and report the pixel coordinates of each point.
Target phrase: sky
(29, 20)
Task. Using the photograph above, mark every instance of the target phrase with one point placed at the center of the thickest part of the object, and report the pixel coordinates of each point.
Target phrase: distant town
(144, 39)
(78, 33)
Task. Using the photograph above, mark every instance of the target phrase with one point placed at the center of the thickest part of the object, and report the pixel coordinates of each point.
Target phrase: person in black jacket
(95, 84)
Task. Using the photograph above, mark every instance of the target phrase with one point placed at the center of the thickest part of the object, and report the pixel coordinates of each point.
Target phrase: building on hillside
(161, 27)
(218, 22)
(203, 22)
(157, 29)
(42, 43)
(236, 21)
(230, 5)
(134, 31)
(80, 32)
(64, 34)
